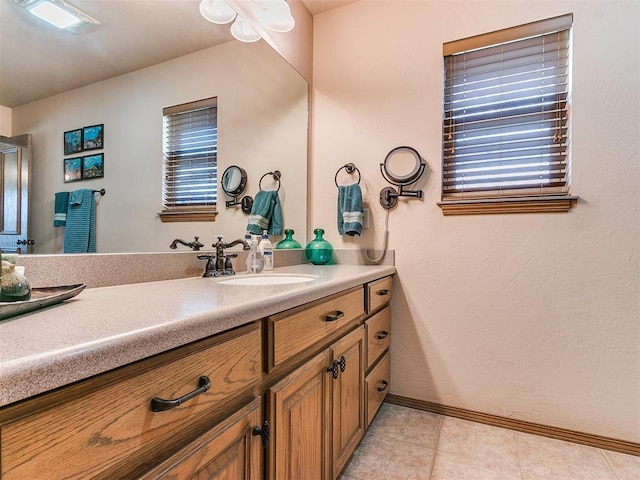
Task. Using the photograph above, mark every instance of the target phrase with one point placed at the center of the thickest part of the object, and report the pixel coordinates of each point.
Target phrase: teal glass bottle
(288, 241)
(319, 251)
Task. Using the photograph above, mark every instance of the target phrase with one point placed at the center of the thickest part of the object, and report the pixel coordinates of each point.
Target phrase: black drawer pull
(383, 386)
(264, 432)
(160, 405)
(343, 363)
(382, 292)
(334, 369)
(334, 317)
(381, 335)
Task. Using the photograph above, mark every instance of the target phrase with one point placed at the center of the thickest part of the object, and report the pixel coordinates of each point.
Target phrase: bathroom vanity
(247, 382)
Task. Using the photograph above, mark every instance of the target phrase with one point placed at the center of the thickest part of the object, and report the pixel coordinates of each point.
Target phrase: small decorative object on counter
(14, 287)
(288, 241)
(266, 249)
(318, 251)
(255, 263)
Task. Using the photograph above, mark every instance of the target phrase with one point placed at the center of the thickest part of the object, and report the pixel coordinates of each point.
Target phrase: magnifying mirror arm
(232, 203)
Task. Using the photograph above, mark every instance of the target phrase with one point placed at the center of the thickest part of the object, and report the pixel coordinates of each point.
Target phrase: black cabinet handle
(383, 386)
(343, 363)
(334, 317)
(264, 433)
(381, 335)
(334, 369)
(160, 405)
(382, 292)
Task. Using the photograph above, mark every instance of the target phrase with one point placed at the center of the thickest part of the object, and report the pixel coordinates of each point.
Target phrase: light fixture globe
(275, 15)
(217, 11)
(242, 31)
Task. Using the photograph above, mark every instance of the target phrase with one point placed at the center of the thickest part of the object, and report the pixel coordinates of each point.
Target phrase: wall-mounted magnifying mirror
(401, 167)
(234, 181)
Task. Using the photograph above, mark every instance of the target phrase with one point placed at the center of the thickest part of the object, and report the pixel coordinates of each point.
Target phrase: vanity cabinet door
(299, 406)
(348, 416)
(228, 451)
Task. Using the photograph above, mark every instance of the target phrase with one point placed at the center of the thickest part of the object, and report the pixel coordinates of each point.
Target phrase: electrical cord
(385, 243)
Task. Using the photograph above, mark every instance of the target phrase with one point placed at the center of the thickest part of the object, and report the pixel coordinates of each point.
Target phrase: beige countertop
(105, 328)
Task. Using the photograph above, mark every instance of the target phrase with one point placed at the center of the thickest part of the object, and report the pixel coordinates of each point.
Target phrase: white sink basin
(268, 279)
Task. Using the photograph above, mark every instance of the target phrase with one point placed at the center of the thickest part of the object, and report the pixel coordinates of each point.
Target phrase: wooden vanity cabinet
(290, 398)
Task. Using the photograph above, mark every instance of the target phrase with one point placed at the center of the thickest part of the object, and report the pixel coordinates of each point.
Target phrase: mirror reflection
(262, 125)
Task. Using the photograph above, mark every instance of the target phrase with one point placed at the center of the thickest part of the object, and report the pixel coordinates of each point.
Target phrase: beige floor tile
(457, 466)
(384, 458)
(468, 450)
(476, 440)
(406, 424)
(626, 467)
(544, 458)
(346, 477)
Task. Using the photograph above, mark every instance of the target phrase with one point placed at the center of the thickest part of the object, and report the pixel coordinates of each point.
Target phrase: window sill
(188, 216)
(550, 204)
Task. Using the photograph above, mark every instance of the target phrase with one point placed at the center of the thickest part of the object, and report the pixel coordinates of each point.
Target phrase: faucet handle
(196, 245)
(209, 270)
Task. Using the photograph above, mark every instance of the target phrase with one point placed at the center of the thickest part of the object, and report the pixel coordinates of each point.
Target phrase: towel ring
(349, 168)
(102, 192)
(276, 178)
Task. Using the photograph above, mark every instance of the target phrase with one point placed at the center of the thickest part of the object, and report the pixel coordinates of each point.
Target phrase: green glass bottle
(319, 251)
(288, 241)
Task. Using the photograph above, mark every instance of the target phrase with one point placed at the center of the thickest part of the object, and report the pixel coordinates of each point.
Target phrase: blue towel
(266, 214)
(350, 211)
(60, 209)
(80, 232)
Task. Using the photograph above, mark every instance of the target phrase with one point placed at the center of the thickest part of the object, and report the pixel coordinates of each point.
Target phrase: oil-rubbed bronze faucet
(195, 245)
(220, 264)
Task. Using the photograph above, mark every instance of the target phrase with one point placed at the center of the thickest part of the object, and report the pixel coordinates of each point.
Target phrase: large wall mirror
(262, 117)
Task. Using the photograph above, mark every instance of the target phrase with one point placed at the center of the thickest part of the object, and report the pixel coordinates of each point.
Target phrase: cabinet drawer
(296, 330)
(379, 293)
(110, 431)
(378, 335)
(377, 385)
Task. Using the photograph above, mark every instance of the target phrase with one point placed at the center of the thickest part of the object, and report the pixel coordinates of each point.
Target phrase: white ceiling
(38, 60)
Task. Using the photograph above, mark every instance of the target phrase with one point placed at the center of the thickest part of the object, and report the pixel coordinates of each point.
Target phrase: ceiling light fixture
(59, 13)
(217, 11)
(274, 15)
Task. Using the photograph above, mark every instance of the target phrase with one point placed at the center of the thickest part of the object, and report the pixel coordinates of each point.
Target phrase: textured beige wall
(262, 112)
(533, 317)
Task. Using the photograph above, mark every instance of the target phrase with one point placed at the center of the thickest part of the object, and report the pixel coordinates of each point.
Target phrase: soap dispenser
(266, 249)
(255, 262)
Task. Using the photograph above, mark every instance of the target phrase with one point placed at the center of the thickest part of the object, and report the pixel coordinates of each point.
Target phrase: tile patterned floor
(407, 444)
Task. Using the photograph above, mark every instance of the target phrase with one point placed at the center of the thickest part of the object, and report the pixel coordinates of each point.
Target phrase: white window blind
(190, 148)
(506, 117)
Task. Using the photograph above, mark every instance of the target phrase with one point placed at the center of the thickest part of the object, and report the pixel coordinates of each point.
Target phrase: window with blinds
(190, 148)
(506, 125)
